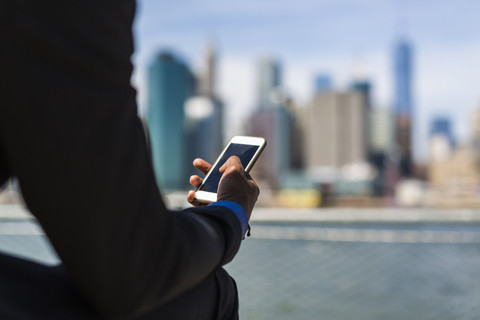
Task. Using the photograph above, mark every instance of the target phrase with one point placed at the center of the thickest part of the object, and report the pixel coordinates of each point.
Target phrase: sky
(340, 38)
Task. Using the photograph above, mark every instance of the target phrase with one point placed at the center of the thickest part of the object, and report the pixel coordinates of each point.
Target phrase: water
(337, 271)
(385, 277)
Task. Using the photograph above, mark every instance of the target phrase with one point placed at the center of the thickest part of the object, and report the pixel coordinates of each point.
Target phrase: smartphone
(248, 149)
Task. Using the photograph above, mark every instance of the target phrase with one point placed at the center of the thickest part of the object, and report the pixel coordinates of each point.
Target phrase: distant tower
(275, 125)
(204, 115)
(323, 83)
(273, 121)
(380, 144)
(403, 106)
(206, 81)
(170, 83)
(476, 133)
(361, 84)
(364, 87)
(204, 128)
(476, 127)
(269, 77)
(403, 79)
(442, 126)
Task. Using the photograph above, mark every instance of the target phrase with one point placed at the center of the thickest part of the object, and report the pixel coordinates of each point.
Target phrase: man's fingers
(191, 196)
(191, 199)
(233, 163)
(195, 181)
(202, 165)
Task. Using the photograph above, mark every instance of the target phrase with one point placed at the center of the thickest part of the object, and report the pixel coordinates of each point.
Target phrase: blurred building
(365, 88)
(403, 105)
(441, 140)
(274, 125)
(455, 180)
(297, 143)
(441, 126)
(440, 148)
(268, 83)
(381, 135)
(206, 78)
(453, 171)
(170, 84)
(204, 116)
(336, 146)
(203, 129)
(323, 83)
(476, 132)
(273, 121)
(335, 132)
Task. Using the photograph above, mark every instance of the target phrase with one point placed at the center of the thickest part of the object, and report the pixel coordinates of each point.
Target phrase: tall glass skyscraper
(403, 78)
(273, 121)
(403, 106)
(204, 115)
(269, 79)
(170, 83)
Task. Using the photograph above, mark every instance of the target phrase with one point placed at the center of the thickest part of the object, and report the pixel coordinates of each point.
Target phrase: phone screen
(244, 151)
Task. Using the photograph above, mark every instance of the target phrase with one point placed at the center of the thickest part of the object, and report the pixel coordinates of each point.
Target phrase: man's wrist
(238, 210)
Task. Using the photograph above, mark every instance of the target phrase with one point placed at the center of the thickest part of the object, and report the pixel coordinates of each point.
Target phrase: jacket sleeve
(70, 133)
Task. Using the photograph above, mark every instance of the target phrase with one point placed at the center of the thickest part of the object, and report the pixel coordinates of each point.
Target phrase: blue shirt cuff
(238, 210)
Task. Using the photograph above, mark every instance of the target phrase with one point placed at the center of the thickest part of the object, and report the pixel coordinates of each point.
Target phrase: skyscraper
(380, 145)
(441, 126)
(273, 121)
(170, 83)
(336, 130)
(403, 78)
(476, 133)
(204, 115)
(275, 126)
(403, 105)
(476, 127)
(206, 80)
(364, 87)
(323, 83)
(268, 79)
(204, 128)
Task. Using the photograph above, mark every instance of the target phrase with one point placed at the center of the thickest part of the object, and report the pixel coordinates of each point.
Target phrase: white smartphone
(248, 149)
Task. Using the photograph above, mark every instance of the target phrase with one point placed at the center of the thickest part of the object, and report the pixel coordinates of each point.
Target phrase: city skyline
(446, 62)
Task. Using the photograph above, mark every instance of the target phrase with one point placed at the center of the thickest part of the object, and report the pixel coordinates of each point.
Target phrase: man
(69, 132)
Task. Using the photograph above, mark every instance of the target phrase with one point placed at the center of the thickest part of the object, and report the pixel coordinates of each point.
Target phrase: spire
(207, 78)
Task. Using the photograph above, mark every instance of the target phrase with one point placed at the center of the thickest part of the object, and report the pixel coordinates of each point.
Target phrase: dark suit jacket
(69, 132)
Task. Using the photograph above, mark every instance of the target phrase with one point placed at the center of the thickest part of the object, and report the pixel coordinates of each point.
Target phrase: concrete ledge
(367, 215)
(341, 215)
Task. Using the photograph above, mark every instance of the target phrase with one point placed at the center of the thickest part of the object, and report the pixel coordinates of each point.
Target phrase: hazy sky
(336, 37)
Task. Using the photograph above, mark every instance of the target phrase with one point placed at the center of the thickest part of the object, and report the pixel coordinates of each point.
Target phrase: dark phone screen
(244, 151)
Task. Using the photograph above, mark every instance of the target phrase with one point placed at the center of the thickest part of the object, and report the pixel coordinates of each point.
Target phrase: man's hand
(202, 166)
(235, 185)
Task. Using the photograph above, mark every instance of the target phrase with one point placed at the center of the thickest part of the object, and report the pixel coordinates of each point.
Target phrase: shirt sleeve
(238, 210)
